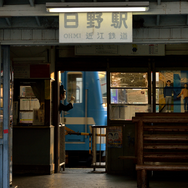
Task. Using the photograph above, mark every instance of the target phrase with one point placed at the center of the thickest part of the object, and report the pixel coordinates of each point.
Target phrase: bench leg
(139, 179)
(145, 183)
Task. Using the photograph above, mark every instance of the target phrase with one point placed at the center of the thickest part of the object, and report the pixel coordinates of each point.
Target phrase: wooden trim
(162, 167)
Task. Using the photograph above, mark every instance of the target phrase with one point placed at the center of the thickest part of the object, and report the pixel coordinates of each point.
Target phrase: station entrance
(133, 84)
(144, 55)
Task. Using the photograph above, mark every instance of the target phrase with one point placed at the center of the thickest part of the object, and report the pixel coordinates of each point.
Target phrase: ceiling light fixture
(63, 7)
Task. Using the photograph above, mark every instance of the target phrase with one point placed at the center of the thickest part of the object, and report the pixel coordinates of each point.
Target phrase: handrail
(95, 134)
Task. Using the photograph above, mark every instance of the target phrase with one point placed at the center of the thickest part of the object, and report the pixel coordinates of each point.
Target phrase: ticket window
(169, 85)
(128, 95)
(29, 103)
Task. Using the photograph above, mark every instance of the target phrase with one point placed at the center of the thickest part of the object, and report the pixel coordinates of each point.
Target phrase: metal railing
(98, 145)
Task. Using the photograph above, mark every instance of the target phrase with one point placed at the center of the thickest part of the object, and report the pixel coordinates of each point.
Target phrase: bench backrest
(161, 137)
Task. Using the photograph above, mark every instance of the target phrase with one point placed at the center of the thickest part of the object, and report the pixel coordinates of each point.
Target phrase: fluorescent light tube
(98, 9)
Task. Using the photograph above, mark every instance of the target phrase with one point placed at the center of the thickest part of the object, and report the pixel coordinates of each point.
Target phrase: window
(129, 94)
(28, 103)
(75, 86)
(171, 91)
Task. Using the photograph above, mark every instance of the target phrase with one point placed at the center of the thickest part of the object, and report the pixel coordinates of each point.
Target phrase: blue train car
(89, 89)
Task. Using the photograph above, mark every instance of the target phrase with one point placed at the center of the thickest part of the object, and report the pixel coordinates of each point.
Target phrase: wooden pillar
(56, 101)
(154, 86)
(139, 151)
(108, 112)
(149, 85)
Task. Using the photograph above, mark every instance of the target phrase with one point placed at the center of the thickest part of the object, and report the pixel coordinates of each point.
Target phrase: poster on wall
(114, 137)
(26, 117)
(172, 91)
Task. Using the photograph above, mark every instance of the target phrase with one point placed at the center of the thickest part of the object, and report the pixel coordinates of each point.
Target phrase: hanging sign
(27, 70)
(115, 27)
(121, 49)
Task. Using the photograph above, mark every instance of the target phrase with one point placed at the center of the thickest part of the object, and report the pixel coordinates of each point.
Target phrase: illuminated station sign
(95, 27)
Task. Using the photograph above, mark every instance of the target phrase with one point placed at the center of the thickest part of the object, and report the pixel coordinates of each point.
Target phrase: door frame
(6, 140)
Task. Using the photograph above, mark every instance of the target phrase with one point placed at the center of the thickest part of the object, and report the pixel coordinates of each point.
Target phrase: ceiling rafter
(1, 3)
(158, 16)
(32, 2)
(8, 20)
(37, 20)
(140, 36)
(165, 8)
(158, 20)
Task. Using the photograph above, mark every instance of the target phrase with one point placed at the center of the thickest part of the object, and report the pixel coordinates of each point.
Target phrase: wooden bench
(161, 144)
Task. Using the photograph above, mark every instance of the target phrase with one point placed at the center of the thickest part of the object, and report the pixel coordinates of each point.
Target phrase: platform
(84, 178)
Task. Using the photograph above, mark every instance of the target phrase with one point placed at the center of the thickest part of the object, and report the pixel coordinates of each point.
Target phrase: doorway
(89, 109)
